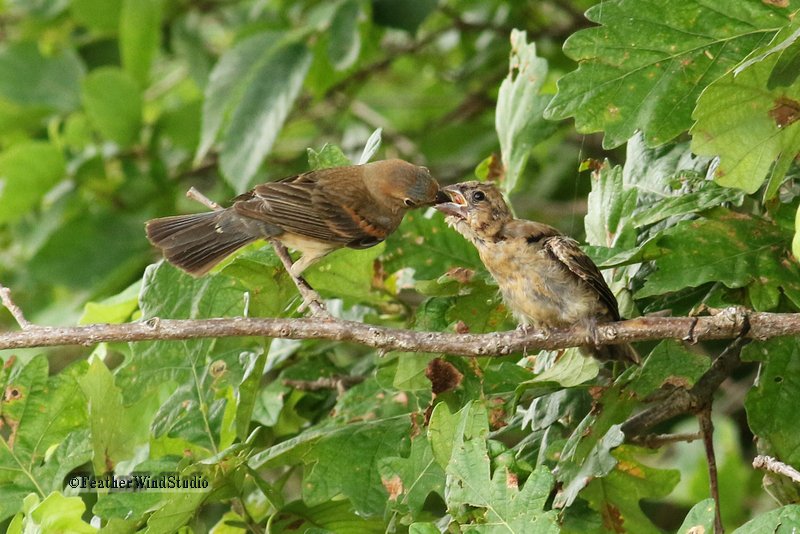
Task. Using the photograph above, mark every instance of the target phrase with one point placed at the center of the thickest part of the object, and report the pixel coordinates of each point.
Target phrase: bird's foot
(313, 303)
(594, 333)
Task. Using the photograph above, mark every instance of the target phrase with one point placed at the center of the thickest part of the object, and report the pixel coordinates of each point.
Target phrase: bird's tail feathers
(197, 242)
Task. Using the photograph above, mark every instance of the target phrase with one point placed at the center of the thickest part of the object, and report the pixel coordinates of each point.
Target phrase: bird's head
(402, 185)
(477, 210)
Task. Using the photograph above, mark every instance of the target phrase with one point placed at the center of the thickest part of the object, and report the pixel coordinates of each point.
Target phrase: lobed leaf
(645, 65)
(748, 125)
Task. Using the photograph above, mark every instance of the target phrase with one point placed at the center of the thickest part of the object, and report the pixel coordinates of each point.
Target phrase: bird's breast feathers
(537, 290)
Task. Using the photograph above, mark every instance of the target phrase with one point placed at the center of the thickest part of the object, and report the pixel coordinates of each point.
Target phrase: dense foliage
(111, 109)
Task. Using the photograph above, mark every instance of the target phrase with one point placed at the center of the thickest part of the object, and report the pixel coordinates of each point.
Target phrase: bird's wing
(567, 251)
(325, 205)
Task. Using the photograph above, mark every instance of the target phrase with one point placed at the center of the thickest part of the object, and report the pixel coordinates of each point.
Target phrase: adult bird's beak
(455, 204)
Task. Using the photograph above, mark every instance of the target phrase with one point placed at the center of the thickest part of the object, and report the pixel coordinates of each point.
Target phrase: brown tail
(196, 243)
(621, 353)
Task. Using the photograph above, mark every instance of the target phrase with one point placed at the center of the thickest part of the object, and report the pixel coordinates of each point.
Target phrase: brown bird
(544, 277)
(315, 213)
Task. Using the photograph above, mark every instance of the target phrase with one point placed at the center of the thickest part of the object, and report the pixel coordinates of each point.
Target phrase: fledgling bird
(545, 278)
(315, 213)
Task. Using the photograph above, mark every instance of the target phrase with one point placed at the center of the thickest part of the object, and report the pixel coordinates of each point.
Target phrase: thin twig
(707, 430)
(11, 306)
(768, 463)
(680, 400)
(654, 441)
(310, 297)
(196, 195)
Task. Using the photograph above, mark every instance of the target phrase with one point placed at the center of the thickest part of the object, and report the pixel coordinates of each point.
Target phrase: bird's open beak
(455, 204)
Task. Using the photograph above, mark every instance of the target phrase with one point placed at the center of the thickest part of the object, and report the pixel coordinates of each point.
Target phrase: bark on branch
(725, 325)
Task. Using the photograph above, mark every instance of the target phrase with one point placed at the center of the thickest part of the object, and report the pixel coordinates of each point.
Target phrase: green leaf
(734, 249)
(775, 397)
(28, 170)
(710, 196)
(115, 430)
(113, 103)
(248, 391)
(406, 16)
(329, 473)
(115, 309)
(139, 37)
(345, 40)
(669, 364)
(610, 206)
(783, 520)
(425, 242)
(572, 369)
(269, 288)
(56, 513)
(332, 516)
(328, 156)
(347, 274)
(520, 103)
(70, 257)
(616, 496)
(587, 452)
(169, 293)
(505, 507)
(645, 66)
(410, 480)
(40, 413)
(248, 97)
(748, 125)
(31, 80)
(98, 15)
(699, 519)
(176, 512)
(446, 427)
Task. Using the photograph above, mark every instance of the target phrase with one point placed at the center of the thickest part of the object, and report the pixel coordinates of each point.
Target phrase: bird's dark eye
(477, 196)
(410, 203)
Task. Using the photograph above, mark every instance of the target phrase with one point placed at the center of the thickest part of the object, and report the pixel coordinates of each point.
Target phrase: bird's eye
(410, 203)
(477, 196)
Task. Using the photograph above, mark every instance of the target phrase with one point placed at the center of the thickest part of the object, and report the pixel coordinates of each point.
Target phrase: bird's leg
(594, 334)
(311, 298)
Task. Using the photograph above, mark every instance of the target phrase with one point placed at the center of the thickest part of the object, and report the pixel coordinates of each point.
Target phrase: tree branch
(694, 400)
(707, 429)
(722, 326)
(769, 463)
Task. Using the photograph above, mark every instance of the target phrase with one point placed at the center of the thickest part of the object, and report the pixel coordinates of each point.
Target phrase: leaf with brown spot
(748, 116)
(394, 486)
(785, 112)
(612, 519)
(443, 376)
(462, 275)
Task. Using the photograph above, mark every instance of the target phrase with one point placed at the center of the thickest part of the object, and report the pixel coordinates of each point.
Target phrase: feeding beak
(455, 204)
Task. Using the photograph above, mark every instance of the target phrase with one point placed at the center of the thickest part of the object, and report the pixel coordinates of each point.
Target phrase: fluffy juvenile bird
(315, 213)
(544, 277)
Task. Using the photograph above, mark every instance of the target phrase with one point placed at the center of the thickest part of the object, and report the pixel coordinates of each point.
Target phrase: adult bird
(315, 213)
(545, 278)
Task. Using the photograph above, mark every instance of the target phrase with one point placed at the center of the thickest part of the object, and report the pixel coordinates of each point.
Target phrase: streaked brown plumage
(545, 278)
(315, 213)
